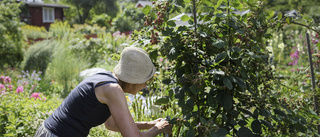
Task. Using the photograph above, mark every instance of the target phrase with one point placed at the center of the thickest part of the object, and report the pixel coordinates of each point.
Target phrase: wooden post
(315, 98)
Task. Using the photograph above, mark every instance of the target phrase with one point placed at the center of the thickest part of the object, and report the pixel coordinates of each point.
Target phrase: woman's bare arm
(111, 125)
(113, 96)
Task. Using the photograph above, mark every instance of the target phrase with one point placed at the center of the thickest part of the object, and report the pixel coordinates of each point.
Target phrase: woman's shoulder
(107, 91)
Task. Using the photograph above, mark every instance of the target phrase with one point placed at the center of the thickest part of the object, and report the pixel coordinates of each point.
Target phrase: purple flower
(19, 89)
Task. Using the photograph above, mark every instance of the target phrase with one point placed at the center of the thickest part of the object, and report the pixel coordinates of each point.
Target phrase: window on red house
(48, 15)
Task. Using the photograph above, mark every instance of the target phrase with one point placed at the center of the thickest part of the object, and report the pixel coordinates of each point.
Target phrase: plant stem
(316, 107)
(195, 33)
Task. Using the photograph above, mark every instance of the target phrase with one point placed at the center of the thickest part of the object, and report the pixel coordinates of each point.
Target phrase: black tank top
(81, 110)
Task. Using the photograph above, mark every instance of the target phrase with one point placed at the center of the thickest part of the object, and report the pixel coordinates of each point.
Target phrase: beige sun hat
(135, 66)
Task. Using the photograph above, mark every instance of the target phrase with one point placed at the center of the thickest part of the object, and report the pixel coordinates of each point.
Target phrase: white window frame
(46, 15)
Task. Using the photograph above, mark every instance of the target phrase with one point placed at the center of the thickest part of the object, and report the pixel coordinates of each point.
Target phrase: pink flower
(36, 96)
(2, 87)
(7, 79)
(10, 87)
(19, 89)
(295, 55)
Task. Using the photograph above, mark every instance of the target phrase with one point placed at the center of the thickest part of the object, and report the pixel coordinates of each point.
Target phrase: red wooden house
(41, 14)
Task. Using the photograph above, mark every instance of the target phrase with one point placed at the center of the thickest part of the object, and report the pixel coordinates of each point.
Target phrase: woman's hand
(163, 127)
(154, 122)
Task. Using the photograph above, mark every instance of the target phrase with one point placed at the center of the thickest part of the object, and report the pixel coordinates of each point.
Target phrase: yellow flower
(140, 92)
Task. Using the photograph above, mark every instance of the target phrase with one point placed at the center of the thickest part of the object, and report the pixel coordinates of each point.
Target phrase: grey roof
(144, 3)
(38, 4)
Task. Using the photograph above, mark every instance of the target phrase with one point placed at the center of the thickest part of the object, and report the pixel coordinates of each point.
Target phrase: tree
(85, 7)
(11, 38)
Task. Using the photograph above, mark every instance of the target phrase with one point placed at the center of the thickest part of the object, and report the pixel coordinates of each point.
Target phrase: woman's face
(134, 88)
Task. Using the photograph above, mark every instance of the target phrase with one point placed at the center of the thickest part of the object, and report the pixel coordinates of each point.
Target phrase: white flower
(270, 49)
(299, 47)
(281, 46)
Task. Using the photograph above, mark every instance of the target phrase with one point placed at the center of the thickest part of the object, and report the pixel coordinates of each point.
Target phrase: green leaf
(244, 132)
(220, 57)
(266, 123)
(202, 120)
(185, 18)
(219, 43)
(171, 23)
(242, 123)
(270, 14)
(190, 103)
(216, 71)
(218, 4)
(166, 81)
(240, 82)
(279, 16)
(167, 31)
(154, 55)
(225, 100)
(221, 132)
(146, 10)
(245, 111)
(227, 83)
(8, 135)
(182, 28)
(194, 89)
(256, 126)
(255, 113)
(186, 1)
(288, 20)
(190, 133)
(171, 93)
(265, 113)
(163, 100)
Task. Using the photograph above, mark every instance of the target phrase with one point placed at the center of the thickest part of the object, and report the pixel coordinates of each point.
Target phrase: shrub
(22, 107)
(39, 55)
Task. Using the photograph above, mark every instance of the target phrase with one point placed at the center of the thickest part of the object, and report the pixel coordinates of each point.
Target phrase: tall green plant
(219, 72)
(65, 68)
